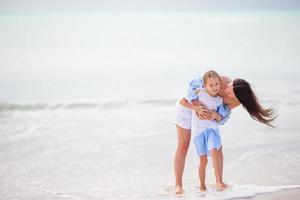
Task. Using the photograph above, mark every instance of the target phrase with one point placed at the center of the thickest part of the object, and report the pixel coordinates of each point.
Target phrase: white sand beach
(79, 152)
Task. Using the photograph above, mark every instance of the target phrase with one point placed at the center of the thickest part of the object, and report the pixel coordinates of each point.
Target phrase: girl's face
(212, 86)
(229, 90)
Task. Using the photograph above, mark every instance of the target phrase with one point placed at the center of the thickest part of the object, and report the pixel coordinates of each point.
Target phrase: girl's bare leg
(222, 161)
(216, 161)
(202, 172)
(184, 138)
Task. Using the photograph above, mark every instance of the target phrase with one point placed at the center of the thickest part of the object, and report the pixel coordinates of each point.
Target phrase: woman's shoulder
(234, 104)
(225, 79)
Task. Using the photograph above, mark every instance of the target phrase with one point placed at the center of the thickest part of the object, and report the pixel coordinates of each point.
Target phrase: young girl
(183, 122)
(205, 133)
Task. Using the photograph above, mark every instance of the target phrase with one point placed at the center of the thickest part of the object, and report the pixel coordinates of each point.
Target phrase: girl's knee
(203, 160)
(213, 152)
(220, 150)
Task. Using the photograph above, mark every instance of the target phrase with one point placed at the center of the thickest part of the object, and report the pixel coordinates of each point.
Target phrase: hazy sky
(140, 5)
(75, 51)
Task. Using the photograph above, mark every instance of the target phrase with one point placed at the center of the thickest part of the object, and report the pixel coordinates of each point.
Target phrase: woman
(233, 93)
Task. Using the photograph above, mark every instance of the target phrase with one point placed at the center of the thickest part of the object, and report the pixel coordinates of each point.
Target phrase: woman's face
(229, 90)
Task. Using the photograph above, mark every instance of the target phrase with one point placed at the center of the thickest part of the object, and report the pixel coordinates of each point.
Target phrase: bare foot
(178, 189)
(227, 186)
(222, 186)
(202, 188)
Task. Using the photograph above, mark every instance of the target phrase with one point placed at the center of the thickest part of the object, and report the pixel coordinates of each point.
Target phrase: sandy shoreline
(290, 194)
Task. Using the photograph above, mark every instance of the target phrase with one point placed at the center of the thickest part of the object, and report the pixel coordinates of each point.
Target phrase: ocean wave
(108, 105)
(7, 106)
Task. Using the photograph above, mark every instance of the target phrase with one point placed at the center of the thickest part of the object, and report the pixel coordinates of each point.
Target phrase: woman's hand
(200, 108)
(216, 116)
(207, 115)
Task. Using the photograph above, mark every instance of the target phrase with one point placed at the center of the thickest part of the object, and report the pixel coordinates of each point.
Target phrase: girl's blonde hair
(209, 74)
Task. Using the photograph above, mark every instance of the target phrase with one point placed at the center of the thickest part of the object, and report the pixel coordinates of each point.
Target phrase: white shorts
(183, 116)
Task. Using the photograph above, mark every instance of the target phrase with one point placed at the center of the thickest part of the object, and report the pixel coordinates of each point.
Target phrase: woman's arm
(216, 116)
(191, 99)
(193, 89)
(185, 103)
(197, 106)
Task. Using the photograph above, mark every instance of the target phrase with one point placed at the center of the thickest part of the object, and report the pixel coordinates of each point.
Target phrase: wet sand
(280, 195)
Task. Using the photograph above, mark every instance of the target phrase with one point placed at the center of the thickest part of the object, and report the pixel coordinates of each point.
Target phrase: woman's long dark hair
(247, 98)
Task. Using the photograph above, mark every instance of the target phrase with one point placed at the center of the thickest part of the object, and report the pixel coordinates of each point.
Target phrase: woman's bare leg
(184, 138)
(202, 171)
